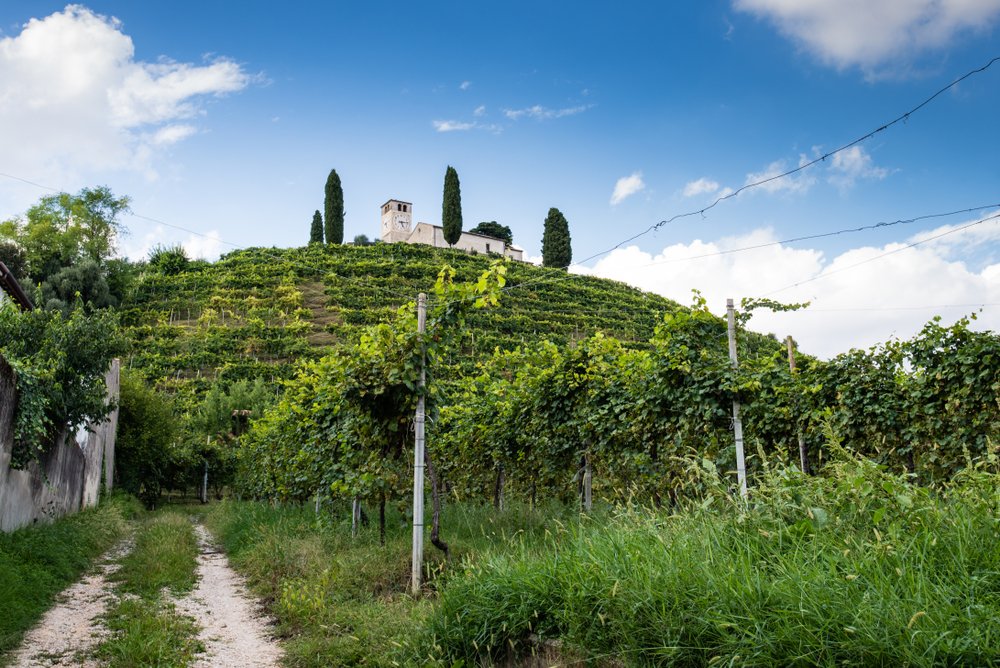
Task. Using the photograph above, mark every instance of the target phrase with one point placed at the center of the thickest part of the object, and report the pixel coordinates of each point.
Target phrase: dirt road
(232, 628)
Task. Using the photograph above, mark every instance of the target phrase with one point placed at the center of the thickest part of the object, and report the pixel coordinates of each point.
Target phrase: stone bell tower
(397, 221)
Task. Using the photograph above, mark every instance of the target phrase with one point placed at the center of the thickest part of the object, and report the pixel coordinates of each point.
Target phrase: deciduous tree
(495, 230)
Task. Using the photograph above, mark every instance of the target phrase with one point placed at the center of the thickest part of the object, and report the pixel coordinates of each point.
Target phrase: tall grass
(146, 629)
(38, 562)
(855, 568)
(342, 600)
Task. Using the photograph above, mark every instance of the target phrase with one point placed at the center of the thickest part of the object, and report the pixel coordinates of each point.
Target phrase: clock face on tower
(400, 223)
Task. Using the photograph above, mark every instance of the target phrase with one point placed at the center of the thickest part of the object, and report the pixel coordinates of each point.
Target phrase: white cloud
(769, 180)
(541, 113)
(73, 98)
(852, 164)
(171, 134)
(207, 246)
(480, 110)
(871, 33)
(702, 185)
(452, 126)
(627, 186)
(853, 306)
(465, 85)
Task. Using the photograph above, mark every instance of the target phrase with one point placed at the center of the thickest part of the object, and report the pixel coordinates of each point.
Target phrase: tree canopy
(63, 229)
(494, 229)
(451, 209)
(556, 247)
(334, 209)
(316, 231)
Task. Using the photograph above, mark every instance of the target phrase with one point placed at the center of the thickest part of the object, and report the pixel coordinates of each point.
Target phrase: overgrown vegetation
(855, 567)
(341, 600)
(146, 629)
(60, 361)
(38, 562)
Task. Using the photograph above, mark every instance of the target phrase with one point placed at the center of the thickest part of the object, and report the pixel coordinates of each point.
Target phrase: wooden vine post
(418, 460)
(741, 466)
(803, 459)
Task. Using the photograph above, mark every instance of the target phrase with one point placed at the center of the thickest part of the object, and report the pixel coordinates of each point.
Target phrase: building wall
(433, 235)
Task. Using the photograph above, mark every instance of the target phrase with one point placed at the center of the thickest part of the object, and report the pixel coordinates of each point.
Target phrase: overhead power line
(882, 255)
(742, 249)
(822, 235)
(806, 165)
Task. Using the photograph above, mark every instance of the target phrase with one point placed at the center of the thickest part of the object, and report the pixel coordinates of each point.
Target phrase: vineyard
(542, 386)
(256, 312)
(580, 462)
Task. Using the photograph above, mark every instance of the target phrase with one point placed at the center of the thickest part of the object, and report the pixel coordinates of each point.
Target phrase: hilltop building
(397, 227)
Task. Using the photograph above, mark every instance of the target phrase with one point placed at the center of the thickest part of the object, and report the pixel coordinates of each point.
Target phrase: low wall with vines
(65, 478)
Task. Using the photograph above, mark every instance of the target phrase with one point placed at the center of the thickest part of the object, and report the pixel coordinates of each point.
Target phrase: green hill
(255, 312)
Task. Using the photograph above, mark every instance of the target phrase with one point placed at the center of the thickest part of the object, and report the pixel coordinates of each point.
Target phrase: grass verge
(855, 568)
(146, 629)
(38, 562)
(343, 601)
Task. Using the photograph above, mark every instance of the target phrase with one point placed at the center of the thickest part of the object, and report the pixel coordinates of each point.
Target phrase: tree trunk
(355, 516)
(588, 492)
(436, 501)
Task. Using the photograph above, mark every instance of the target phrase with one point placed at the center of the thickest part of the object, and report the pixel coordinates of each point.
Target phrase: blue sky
(227, 122)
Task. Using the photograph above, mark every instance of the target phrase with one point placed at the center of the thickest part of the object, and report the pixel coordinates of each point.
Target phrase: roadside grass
(857, 567)
(344, 601)
(145, 627)
(38, 562)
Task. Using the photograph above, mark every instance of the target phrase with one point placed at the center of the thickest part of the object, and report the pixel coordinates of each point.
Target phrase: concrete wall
(66, 478)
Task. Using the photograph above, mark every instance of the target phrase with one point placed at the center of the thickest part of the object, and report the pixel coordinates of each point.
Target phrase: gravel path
(68, 631)
(235, 633)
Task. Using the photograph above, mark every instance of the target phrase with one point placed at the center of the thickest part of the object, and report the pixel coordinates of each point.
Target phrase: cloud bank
(74, 99)
(871, 33)
(852, 306)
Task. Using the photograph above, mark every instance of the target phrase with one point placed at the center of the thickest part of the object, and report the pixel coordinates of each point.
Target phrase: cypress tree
(451, 209)
(556, 248)
(334, 209)
(316, 231)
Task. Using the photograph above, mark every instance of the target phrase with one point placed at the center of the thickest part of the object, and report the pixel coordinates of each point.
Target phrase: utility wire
(925, 307)
(821, 235)
(730, 251)
(899, 119)
(886, 254)
(356, 279)
(882, 128)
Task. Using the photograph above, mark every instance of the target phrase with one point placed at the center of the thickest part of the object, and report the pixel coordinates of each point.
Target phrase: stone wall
(64, 480)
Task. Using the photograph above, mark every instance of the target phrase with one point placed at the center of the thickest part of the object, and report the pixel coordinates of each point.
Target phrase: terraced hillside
(255, 312)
